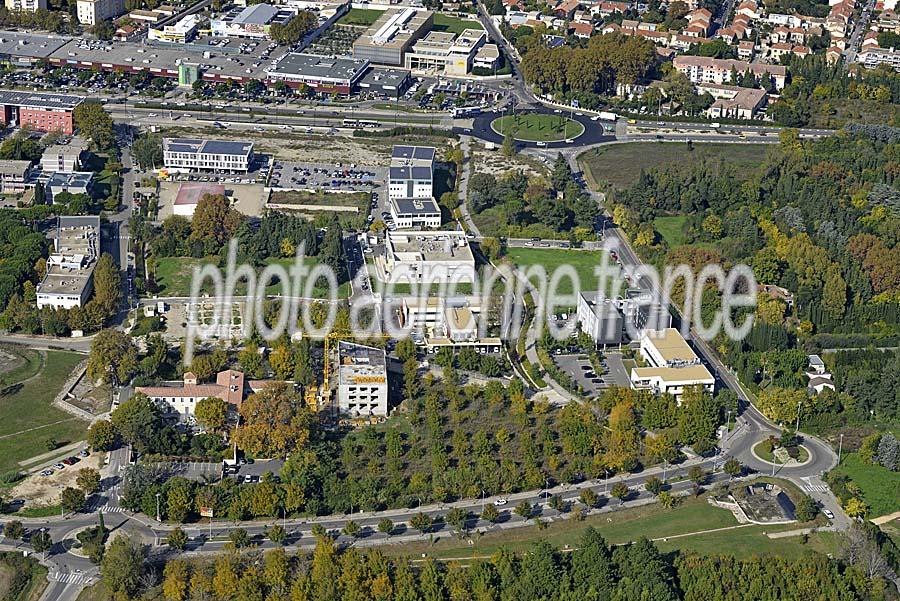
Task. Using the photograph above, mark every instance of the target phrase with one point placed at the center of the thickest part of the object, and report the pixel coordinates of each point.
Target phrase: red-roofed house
(582, 30)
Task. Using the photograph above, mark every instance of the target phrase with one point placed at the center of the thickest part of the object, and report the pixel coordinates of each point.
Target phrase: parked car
(501, 502)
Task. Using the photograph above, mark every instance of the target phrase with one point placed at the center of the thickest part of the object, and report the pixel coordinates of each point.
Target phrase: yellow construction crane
(324, 393)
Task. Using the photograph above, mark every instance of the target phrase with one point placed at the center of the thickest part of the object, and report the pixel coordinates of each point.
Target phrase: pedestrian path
(69, 578)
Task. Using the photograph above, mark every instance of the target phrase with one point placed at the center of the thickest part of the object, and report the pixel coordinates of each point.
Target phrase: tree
(385, 526)
(137, 420)
(294, 30)
(113, 357)
(666, 499)
(405, 349)
(123, 566)
(509, 145)
(457, 518)
(490, 513)
(212, 414)
(175, 580)
(733, 468)
(697, 475)
(856, 508)
(214, 221)
(72, 499)
(623, 440)
(94, 123)
(282, 361)
(276, 422)
(351, 529)
(14, 529)
(653, 485)
(421, 522)
(147, 150)
(41, 541)
(588, 498)
(524, 509)
(107, 285)
(177, 539)
(88, 480)
(102, 436)
(239, 538)
(277, 534)
(806, 509)
(620, 491)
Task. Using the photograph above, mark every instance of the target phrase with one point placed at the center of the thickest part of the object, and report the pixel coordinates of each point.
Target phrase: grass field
(174, 274)
(552, 258)
(452, 24)
(880, 487)
(694, 515)
(619, 165)
(28, 421)
(671, 229)
(538, 127)
(360, 16)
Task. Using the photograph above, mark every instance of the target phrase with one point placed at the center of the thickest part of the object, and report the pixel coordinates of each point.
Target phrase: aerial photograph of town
(450, 300)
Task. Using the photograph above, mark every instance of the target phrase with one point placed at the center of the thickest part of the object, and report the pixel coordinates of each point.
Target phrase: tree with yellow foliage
(275, 422)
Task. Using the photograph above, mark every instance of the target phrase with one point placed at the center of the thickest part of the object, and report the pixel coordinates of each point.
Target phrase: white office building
(69, 280)
(26, 5)
(427, 256)
(188, 154)
(415, 213)
(672, 365)
(362, 380)
(411, 174)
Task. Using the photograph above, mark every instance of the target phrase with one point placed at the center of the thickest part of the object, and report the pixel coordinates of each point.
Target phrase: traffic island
(538, 127)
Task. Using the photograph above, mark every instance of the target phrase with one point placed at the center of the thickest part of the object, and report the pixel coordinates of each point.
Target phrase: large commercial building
(189, 154)
(702, 69)
(608, 320)
(39, 110)
(444, 52)
(411, 174)
(673, 365)
(251, 22)
(70, 268)
(91, 12)
(324, 74)
(390, 37)
(362, 380)
(427, 256)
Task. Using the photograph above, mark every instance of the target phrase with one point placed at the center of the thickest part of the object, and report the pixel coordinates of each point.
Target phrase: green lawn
(360, 16)
(880, 487)
(174, 274)
(452, 24)
(538, 127)
(652, 521)
(767, 455)
(28, 421)
(552, 258)
(671, 229)
(619, 165)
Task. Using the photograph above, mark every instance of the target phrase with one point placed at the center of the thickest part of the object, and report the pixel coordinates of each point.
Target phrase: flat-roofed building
(428, 256)
(703, 69)
(487, 57)
(362, 380)
(69, 279)
(190, 154)
(392, 34)
(324, 74)
(411, 174)
(386, 82)
(63, 157)
(672, 365)
(91, 12)
(41, 111)
(415, 213)
(444, 52)
(180, 32)
(189, 195)
(71, 182)
(14, 176)
(252, 21)
(600, 318)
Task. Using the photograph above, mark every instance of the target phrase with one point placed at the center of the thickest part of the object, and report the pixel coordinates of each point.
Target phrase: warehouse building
(324, 74)
(390, 37)
(189, 154)
(362, 380)
(39, 110)
(251, 22)
(69, 279)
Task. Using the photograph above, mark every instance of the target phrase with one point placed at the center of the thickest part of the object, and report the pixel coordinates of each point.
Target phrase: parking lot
(340, 177)
(198, 471)
(579, 367)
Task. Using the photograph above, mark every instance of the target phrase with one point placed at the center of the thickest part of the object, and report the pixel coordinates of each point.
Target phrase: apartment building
(362, 380)
(14, 176)
(189, 154)
(26, 5)
(91, 12)
(63, 157)
(702, 69)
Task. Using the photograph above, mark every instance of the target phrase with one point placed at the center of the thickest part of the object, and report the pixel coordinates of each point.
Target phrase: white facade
(362, 380)
(91, 12)
(69, 280)
(673, 365)
(26, 5)
(411, 174)
(181, 32)
(207, 155)
(415, 213)
(419, 257)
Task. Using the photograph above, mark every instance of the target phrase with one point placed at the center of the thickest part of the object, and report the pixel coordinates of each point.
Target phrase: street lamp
(157, 507)
(605, 480)
(840, 448)
(799, 404)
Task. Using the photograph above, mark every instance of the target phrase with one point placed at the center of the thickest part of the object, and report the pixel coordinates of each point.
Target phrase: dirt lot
(493, 161)
(37, 490)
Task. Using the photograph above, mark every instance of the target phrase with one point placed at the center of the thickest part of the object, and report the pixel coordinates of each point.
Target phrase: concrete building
(673, 365)
(702, 69)
(190, 154)
(385, 82)
(324, 74)
(40, 111)
(427, 256)
(600, 318)
(415, 213)
(26, 5)
(411, 174)
(181, 32)
(69, 280)
(393, 33)
(251, 22)
(73, 182)
(180, 400)
(873, 57)
(91, 12)
(14, 176)
(63, 157)
(362, 380)
(487, 57)
(444, 52)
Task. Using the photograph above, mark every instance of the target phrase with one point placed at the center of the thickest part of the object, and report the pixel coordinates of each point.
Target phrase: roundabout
(779, 457)
(538, 127)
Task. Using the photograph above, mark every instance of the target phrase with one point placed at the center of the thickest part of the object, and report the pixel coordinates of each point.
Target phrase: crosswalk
(107, 508)
(69, 578)
(814, 486)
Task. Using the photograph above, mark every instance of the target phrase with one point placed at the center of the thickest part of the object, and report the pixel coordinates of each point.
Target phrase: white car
(828, 514)
(500, 502)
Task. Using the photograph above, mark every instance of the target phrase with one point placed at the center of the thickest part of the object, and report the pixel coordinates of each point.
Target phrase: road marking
(69, 578)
